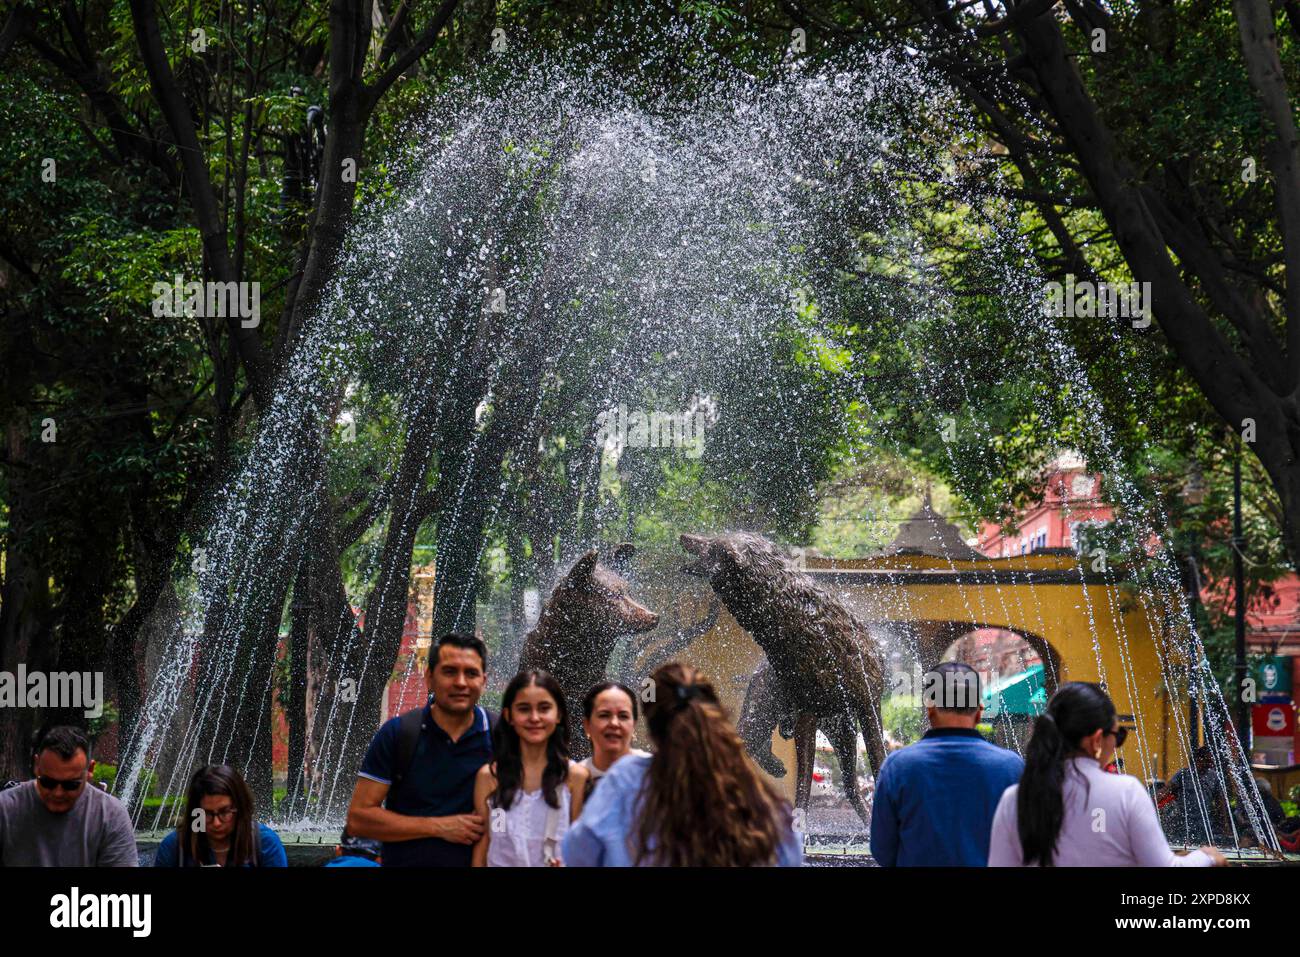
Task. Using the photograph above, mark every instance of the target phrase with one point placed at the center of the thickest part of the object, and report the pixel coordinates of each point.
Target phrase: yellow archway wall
(1095, 628)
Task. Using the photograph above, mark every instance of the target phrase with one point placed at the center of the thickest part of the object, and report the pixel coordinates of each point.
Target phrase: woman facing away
(1067, 811)
(531, 792)
(219, 826)
(696, 801)
(609, 715)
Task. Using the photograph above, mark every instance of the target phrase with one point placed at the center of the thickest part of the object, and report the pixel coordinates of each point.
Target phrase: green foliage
(107, 774)
(97, 726)
(903, 717)
(824, 447)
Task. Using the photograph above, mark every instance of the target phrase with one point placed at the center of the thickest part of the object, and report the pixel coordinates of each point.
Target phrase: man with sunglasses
(61, 819)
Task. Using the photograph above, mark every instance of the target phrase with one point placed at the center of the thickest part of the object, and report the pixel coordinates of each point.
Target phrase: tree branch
(1021, 14)
(18, 24)
(85, 74)
(1192, 250)
(1229, 384)
(199, 186)
(1259, 47)
(421, 46)
(396, 30)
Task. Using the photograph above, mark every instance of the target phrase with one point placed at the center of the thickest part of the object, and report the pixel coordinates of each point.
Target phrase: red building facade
(1072, 499)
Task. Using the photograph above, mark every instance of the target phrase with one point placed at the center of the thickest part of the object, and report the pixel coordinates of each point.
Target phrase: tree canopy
(300, 147)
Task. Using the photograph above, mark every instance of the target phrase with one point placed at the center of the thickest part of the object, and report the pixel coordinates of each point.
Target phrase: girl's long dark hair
(703, 803)
(1076, 710)
(508, 755)
(205, 782)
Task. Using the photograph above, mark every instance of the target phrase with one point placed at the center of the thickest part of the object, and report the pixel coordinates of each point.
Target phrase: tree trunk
(323, 627)
(247, 732)
(367, 665)
(340, 168)
(299, 779)
(25, 609)
(1145, 229)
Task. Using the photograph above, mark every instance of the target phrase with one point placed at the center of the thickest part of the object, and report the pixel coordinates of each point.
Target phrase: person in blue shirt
(218, 827)
(935, 799)
(355, 852)
(697, 801)
(424, 813)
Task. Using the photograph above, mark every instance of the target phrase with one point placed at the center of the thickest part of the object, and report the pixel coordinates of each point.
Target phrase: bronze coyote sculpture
(582, 620)
(822, 666)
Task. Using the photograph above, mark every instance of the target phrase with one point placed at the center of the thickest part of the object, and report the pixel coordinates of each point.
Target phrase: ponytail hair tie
(685, 693)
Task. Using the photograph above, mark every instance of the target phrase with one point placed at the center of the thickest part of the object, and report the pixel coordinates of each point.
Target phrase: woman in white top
(609, 714)
(1067, 811)
(531, 792)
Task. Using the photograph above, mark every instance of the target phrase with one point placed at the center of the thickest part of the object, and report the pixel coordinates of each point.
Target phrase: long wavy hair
(1076, 710)
(703, 803)
(205, 782)
(508, 754)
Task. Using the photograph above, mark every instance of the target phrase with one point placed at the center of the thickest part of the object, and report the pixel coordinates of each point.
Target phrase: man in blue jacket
(935, 799)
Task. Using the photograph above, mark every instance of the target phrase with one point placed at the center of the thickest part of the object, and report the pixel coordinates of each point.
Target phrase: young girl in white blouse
(1067, 810)
(531, 792)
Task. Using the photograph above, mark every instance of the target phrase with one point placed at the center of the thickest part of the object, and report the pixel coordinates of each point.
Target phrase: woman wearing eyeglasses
(1067, 811)
(218, 827)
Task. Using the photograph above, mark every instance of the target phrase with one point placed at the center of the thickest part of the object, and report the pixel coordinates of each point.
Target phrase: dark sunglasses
(1120, 735)
(51, 784)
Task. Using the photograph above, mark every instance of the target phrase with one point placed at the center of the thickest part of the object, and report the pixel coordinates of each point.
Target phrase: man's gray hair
(951, 686)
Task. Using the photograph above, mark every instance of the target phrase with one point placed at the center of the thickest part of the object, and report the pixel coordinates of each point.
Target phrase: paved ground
(835, 838)
(834, 821)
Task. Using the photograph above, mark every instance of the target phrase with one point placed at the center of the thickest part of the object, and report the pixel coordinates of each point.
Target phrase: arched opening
(1015, 681)
(1019, 670)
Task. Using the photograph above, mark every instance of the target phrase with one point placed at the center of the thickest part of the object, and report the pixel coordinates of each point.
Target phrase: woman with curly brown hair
(698, 801)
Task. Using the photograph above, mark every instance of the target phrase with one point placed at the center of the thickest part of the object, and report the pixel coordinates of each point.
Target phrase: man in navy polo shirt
(427, 819)
(935, 799)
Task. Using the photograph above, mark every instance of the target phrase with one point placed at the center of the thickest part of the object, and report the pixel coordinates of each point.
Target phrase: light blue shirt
(599, 838)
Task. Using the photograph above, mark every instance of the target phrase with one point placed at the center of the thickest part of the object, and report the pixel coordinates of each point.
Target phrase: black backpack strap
(408, 736)
(409, 726)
